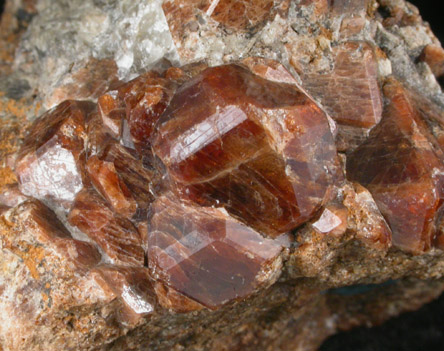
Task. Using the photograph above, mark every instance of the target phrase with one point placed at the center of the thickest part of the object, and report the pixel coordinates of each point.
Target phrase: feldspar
(269, 153)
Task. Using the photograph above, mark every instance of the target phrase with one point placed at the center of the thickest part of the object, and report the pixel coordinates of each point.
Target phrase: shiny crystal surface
(132, 284)
(141, 101)
(206, 254)
(184, 188)
(50, 232)
(352, 78)
(231, 139)
(49, 165)
(114, 234)
(401, 165)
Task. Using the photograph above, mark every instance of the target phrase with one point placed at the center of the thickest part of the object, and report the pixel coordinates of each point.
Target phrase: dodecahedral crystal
(232, 139)
(49, 164)
(401, 165)
(242, 172)
(207, 255)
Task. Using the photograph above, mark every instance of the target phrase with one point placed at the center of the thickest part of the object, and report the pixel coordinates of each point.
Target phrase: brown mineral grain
(114, 234)
(404, 172)
(106, 180)
(133, 286)
(433, 55)
(352, 78)
(141, 102)
(50, 161)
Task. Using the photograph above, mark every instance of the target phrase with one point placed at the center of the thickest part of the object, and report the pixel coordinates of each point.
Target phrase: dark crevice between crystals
(359, 288)
(2, 7)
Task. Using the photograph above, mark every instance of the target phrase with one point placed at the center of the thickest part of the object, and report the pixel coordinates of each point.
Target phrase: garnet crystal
(232, 139)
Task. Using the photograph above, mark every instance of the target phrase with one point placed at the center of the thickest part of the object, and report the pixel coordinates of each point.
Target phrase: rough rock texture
(223, 175)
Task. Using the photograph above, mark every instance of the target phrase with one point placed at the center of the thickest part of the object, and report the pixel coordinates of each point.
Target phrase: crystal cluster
(200, 173)
(190, 183)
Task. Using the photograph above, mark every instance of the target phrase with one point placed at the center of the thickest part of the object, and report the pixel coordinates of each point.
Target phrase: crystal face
(207, 255)
(49, 165)
(232, 139)
(142, 101)
(114, 234)
(401, 165)
(187, 186)
(353, 78)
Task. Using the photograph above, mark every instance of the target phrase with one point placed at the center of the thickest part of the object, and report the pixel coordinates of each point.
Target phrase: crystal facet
(402, 167)
(207, 255)
(114, 234)
(49, 164)
(232, 139)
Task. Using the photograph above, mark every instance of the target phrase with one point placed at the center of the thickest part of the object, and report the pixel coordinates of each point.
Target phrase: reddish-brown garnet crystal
(401, 165)
(262, 150)
(114, 234)
(207, 255)
(50, 163)
(189, 180)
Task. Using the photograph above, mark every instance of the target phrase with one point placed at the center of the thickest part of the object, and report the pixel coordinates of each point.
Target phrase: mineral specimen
(269, 155)
(49, 164)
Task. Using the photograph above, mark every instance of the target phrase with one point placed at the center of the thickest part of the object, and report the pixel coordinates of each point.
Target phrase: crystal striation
(207, 255)
(49, 164)
(232, 139)
(401, 164)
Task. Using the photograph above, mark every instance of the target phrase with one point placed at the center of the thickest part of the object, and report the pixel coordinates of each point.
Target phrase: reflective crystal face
(401, 165)
(207, 255)
(49, 164)
(232, 139)
(188, 182)
(114, 234)
(132, 284)
(132, 110)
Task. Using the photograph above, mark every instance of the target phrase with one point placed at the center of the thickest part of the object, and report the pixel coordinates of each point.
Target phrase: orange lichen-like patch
(31, 255)
(18, 108)
(11, 134)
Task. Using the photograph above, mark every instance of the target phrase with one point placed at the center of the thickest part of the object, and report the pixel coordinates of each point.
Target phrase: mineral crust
(227, 196)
